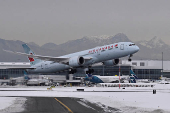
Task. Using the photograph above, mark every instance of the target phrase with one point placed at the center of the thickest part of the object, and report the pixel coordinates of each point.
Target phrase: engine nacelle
(111, 62)
(76, 61)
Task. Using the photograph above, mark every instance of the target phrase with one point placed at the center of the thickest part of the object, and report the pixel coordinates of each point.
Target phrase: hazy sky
(58, 21)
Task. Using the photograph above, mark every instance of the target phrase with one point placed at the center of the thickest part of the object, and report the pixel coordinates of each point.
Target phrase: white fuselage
(111, 79)
(97, 54)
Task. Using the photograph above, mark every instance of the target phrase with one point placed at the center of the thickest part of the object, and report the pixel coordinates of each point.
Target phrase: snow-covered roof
(14, 63)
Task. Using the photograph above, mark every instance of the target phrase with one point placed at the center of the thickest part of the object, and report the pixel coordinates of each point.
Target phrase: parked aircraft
(132, 82)
(105, 79)
(111, 79)
(109, 55)
(137, 80)
(133, 77)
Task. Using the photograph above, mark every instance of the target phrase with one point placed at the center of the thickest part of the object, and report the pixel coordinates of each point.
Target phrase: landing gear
(130, 58)
(72, 71)
(90, 71)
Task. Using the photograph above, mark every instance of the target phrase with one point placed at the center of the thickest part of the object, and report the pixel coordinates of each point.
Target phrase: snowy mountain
(17, 46)
(104, 39)
(91, 42)
(149, 50)
(155, 42)
(153, 49)
(49, 45)
(33, 44)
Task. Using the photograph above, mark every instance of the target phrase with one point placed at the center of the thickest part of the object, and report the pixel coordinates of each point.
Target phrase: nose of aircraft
(137, 48)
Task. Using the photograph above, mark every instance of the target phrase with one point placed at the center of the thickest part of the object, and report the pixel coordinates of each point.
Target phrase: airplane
(137, 80)
(105, 79)
(133, 77)
(109, 55)
(133, 82)
(111, 79)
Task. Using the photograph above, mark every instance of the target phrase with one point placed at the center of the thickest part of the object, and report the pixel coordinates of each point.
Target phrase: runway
(61, 105)
(91, 100)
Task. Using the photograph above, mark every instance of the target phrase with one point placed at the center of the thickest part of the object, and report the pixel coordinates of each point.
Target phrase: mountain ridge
(150, 50)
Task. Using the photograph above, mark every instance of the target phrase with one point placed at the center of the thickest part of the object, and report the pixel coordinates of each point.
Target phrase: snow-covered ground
(6, 101)
(134, 99)
(11, 104)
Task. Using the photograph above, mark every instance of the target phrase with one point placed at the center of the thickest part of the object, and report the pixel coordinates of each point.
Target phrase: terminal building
(144, 69)
(7, 73)
(150, 69)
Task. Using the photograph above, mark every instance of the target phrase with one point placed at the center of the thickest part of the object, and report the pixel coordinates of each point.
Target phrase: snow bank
(6, 102)
(11, 104)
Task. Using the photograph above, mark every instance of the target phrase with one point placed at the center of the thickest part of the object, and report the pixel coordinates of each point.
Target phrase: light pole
(162, 64)
(103, 70)
(119, 74)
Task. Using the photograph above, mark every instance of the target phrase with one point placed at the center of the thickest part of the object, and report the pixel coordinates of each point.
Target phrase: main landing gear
(86, 70)
(90, 71)
(72, 71)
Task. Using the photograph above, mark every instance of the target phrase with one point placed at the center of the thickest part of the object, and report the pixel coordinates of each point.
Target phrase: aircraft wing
(47, 58)
(63, 60)
(97, 64)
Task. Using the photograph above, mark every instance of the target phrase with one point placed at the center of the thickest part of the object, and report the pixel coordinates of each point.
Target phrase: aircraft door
(122, 47)
(98, 52)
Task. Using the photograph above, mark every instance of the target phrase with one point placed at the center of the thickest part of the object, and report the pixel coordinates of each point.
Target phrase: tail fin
(29, 51)
(26, 76)
(133, 77)
(25, 73)
(88, 77)
(133, 74)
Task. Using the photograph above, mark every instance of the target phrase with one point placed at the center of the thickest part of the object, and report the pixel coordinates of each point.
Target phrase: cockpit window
(131, 44)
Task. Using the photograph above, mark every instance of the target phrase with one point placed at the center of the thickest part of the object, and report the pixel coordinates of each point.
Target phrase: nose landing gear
(130, 58)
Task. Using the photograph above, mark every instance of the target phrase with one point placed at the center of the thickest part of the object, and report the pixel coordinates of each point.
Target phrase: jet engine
(76, 61)
(111, 62)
